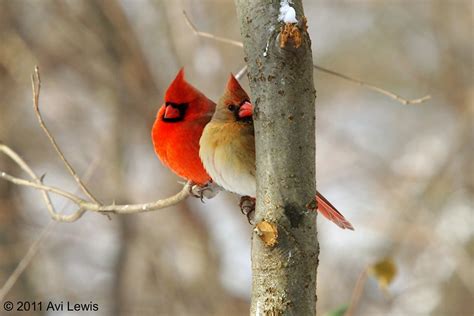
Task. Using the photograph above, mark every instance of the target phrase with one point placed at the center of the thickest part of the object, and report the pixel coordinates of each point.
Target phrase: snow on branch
(287, 12)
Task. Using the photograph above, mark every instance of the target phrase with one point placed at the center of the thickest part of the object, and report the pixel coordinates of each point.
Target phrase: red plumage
(326, 209)
(178, 128)
(228, 149)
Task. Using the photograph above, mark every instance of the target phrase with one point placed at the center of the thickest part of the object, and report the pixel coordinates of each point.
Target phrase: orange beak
(246, 110)
(171, 112)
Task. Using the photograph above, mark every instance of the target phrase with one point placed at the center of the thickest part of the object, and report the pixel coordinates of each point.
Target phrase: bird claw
(247, 207)
(208, 191)
(198, 191)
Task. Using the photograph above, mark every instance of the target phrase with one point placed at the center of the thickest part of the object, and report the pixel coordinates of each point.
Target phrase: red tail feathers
(329, 211)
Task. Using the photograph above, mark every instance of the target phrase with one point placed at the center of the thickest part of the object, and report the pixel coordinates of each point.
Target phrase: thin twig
(35, 246)
(241, 73)
(36, 86)
(357, 292)
(209, 35)
(374, 88)
(25, 261)
(24, 166)
(40, 186)
(322, 69)
(84, 205)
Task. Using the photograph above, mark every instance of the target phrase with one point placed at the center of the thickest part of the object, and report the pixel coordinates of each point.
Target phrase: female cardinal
(178, 127)
(227, 149)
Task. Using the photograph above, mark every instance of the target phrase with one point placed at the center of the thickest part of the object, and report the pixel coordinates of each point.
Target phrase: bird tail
(331, 213)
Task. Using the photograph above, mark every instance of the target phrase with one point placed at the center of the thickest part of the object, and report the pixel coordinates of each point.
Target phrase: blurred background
(402, 174)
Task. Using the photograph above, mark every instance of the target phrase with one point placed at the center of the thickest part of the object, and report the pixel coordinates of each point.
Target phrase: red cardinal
(228, 149)
(178, 127)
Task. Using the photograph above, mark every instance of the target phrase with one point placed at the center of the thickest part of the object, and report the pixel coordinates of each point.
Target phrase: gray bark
(282, 89)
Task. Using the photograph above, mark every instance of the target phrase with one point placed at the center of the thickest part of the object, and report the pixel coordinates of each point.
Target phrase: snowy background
(401, 174)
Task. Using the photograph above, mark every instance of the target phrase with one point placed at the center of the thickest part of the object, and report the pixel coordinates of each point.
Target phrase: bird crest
(180, 91)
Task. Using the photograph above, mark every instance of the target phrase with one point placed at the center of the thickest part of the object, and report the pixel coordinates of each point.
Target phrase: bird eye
(231, 107)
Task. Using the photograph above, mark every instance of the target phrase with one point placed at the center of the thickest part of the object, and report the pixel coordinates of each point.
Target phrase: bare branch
(374, 88)
(35, 246)
(84, 206)
(322, 69)
(25, 261)
(40, 186)
(24, 166)
(209, 35)
(36, 86)
(282, 285)
(357, 292)
(241, 73)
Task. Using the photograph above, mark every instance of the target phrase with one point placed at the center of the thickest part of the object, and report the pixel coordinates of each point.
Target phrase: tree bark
(281, 82)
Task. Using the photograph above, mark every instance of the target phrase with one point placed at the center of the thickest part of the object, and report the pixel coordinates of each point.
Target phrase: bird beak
(171, 112)
(246, 110)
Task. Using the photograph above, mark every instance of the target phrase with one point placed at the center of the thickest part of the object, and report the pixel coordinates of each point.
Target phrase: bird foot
(247, 207)
(208, 191)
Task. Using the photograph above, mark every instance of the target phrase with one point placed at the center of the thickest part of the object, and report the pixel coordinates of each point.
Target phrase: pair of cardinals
(205, 142)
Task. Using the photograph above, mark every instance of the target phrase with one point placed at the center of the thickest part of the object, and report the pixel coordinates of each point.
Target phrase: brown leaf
(384, 271)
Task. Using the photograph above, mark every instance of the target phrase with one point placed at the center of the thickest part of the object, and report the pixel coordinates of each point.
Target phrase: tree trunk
(281, 82)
